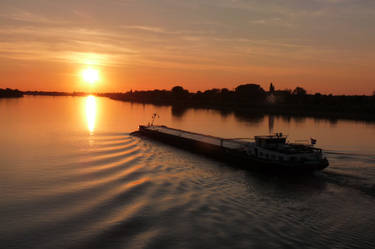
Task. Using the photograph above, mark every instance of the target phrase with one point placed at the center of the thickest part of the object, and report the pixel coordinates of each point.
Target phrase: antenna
(154, 116)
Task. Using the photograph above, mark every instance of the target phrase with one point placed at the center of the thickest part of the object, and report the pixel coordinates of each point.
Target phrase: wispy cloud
(29, 17)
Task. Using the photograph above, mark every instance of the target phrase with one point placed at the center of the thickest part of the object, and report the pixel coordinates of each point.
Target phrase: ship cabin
(275, 147)
(271, 141)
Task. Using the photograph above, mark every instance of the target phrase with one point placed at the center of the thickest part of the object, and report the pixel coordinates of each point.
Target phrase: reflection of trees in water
(178, 110)
(333, 121)
(299, 119)
(224, 112)
(249, 117)
(302, 119)
(286, 118)
(255, 117)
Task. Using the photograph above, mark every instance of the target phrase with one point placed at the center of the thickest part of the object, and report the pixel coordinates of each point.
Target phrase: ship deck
(222, 142)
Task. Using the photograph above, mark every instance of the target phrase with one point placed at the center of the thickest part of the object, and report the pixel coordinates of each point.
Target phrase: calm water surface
(71, 176)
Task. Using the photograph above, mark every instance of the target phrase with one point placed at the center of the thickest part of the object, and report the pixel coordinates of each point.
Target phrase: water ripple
(125, 192)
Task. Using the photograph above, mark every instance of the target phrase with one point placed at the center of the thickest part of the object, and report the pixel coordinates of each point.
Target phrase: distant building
(277, 96)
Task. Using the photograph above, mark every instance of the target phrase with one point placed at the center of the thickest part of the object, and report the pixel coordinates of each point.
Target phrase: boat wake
(351, 169)
(115, 190)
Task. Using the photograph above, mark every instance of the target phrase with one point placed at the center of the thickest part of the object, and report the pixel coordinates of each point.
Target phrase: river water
(71, 176)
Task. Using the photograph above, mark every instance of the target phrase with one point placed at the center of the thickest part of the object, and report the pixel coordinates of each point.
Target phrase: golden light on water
(90, 109)
(90, 75)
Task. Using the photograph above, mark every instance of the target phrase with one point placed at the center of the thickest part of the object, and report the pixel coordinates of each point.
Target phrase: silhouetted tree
(299, 91)
(179, 91)
(287, 91)
(226, 91)
(10, 93)
(225, 94)
(250, 94)
(247, 96)
(249, 90)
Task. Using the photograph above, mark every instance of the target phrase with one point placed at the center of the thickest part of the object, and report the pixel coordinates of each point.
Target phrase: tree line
(253, 98)
(245, 98)
(10, 93)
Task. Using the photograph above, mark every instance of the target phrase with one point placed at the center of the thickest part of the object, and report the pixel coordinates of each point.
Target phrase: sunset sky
(325, 46)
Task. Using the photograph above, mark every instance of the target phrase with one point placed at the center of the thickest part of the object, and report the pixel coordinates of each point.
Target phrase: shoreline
(248, 111)
(244, 110)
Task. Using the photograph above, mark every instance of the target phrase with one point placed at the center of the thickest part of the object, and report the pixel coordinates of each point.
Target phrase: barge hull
(233, 157)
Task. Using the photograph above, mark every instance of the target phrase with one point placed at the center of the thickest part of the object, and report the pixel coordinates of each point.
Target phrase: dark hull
(233, 157)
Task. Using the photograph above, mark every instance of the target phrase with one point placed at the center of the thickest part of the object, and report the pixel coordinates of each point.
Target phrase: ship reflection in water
(90, 109)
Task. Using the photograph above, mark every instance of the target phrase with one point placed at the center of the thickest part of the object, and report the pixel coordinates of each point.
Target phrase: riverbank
(245, 101)
(331, 113)
(253, 99)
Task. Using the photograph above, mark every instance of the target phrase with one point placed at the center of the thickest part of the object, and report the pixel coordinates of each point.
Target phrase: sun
(90, 75)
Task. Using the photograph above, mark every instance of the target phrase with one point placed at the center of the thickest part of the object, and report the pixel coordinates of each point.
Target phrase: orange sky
(324, 46)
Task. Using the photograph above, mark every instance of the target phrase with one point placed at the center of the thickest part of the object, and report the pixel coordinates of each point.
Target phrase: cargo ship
(266, 153)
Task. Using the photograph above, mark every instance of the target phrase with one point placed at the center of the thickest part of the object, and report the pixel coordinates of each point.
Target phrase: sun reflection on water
(90, 113)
